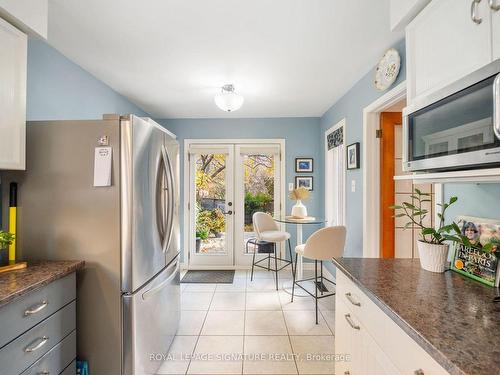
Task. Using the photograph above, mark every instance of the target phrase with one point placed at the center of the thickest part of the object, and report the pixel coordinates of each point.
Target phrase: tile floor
(250, 328)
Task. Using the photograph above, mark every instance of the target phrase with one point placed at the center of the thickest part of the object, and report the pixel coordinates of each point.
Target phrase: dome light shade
(228, 100)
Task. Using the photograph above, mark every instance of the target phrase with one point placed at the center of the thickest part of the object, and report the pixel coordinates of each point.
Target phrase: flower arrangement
(299, 194)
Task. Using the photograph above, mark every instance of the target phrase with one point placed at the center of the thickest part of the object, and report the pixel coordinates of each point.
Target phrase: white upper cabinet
(446, 41)
(495, 9)
(30, 16)
(403, 11)
(14, 47)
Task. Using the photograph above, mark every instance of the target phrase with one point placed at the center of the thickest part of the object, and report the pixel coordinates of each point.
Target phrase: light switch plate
(290, 186)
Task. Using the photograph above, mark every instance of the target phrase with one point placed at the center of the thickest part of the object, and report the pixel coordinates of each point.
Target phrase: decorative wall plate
(387, 70)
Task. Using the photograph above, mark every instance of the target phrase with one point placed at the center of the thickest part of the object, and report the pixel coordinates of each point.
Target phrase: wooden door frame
(388, 122)
(371, 173)
(371, 168)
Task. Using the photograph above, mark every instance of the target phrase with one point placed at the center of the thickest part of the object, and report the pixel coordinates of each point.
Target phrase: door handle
(493, 6)
(228, 212)
(496, 106)
(171, 199)
(473, 12)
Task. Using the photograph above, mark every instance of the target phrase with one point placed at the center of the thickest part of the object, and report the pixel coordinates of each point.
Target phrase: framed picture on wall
(303, 165)
(304, 181)
(353, 156)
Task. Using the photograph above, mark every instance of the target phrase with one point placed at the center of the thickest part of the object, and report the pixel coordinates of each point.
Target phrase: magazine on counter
(473, 262)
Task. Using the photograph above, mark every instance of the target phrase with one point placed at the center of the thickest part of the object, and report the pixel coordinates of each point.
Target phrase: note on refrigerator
(102, 166)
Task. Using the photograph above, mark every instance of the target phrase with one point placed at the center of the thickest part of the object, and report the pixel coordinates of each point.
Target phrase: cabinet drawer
(70, 370)
(32, 345)
(56, 359)
(20, 315)
(400, 348)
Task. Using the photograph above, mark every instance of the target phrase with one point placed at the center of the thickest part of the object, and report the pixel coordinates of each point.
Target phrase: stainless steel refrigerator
(128, 303)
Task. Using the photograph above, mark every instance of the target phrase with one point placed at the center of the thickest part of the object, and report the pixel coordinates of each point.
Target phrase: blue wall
(350, 107)
(58, 89)
(480, 200)
(301, 139)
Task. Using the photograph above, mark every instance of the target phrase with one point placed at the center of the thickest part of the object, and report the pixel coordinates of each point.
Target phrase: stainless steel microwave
(457, 127)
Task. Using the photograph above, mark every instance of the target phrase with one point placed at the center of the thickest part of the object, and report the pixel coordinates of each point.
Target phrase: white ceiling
(288, 58)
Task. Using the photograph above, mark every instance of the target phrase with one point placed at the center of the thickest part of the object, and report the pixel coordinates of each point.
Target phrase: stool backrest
(263, 222)
(326, 243)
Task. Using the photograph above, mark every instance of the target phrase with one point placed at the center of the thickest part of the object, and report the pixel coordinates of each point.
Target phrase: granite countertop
(14, 284)
(451, 317)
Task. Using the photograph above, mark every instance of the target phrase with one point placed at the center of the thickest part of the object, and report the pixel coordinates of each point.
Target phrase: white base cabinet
(14, 44)
(371, 341)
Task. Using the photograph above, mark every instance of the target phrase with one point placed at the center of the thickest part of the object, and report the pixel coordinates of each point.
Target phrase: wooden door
(388, 121)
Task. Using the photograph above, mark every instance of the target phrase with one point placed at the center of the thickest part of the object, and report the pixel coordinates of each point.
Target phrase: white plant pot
(299, 210)
(433, 257)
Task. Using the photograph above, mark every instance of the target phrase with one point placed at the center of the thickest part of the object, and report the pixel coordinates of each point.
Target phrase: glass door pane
(259, 173)
(257, 189)
(211, 210)
(210, 193)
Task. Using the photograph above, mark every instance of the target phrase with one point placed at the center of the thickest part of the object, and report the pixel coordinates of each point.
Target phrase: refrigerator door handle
(164, 283)
(171, 199)
(160, 201)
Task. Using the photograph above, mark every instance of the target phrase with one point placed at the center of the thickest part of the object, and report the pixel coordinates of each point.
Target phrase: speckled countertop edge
(15, 284)
(434, 352)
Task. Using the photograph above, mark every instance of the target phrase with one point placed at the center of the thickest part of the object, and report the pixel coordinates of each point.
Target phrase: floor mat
(208, 277)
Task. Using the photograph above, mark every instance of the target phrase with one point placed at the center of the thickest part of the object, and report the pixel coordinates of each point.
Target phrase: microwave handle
(496, 106)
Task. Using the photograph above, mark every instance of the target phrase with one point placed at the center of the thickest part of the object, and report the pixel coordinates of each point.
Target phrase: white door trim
(371, 169)
(186, 187)
(340, 124)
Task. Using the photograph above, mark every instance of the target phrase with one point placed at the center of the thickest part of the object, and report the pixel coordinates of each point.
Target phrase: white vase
(433, 257)
(299, 210)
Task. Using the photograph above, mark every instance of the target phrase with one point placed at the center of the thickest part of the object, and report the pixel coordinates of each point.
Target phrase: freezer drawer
(150, 321)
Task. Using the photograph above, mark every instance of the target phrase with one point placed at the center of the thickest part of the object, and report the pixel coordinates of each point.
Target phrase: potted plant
(6, 239)
(299, 211)
(432, 246)
(201, 234)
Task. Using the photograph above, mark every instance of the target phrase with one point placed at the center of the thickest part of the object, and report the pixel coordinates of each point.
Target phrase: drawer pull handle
(473, 12)
(37, 309)
(347, 373)
(349, 297)
(494, 6)
(44, 372)
(34, 348)
(419, 372)
(351, 323)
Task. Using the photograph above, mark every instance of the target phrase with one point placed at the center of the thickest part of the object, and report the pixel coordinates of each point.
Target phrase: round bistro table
(299, 272)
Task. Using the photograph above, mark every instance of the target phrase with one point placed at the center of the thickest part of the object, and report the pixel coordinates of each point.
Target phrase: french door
(228, 182)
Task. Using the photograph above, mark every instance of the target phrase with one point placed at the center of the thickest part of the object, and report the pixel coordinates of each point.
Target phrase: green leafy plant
(202, 234)
(6, 239)
(416, 214)
(257, 202)
(211, 220)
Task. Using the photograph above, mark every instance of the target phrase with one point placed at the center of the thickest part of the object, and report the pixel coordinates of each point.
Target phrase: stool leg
(276, 267)
(293, 283)
(316, 287)
(321, 277)
(291, 256)
(253, 259)
(269, 261)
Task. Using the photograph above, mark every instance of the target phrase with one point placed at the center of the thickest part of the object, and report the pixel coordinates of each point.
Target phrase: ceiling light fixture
(228, 100)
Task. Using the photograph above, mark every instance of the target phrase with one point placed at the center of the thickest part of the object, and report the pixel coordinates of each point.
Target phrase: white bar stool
(267, 230)
(324, 244)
